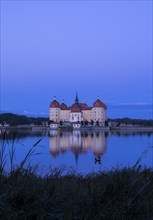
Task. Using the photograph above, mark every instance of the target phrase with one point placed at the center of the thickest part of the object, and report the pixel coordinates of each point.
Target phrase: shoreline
(127, 128)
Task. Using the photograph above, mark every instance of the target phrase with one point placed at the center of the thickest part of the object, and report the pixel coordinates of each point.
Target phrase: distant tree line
(129, 121)
(13, 119)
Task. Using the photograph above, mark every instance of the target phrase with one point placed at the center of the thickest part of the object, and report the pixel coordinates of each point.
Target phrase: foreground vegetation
(118, 194)
(26, 195)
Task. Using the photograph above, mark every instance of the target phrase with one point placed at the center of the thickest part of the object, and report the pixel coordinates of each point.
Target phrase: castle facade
(77, 112)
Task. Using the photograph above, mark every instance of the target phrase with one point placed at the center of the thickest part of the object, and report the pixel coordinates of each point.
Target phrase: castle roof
(83, 105)
(63, 106)
(54, 104)
(75, 108)
(99, 103)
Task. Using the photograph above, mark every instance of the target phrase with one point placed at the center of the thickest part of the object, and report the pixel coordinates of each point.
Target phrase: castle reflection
(78, 142)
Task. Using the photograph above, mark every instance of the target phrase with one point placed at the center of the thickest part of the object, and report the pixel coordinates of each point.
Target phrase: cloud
(44, 113)
(129, 103)
(34, 113)
(135, 103)
(4, 110)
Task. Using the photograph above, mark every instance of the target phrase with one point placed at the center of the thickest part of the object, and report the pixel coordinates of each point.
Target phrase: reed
(118, 194)
(3, 155)
(125, 193)
(8, 165)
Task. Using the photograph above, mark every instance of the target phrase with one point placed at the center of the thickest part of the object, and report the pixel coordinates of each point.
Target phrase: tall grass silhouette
(7, 156)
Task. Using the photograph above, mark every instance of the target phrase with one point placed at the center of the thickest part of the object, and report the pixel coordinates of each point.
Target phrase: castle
(77, 112)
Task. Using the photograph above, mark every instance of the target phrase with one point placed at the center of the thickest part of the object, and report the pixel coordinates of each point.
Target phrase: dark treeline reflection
(129, 133)
(12, 133)
(78, 142)
(24, 133)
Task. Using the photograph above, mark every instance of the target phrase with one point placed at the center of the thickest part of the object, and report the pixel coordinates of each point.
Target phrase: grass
(125, 193)
(118, 194)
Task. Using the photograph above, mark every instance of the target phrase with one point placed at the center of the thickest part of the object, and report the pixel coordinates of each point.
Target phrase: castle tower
(76, 99)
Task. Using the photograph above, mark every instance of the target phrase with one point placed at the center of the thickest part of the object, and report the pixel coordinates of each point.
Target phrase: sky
(55, 48)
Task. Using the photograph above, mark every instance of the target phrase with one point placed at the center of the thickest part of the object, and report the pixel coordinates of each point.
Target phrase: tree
(86, 122)
(118, 124)
(106, 123)
(97, 123)
(92, 122)
(50, 121)
(13, 119)
(82, 123)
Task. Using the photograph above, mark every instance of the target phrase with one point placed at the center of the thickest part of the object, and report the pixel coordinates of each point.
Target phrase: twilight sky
(59, 47)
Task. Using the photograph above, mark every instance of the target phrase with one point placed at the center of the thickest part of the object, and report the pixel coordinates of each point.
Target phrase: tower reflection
(78, 142)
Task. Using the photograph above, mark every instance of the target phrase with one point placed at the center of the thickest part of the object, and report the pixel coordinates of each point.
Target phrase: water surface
(83, 151)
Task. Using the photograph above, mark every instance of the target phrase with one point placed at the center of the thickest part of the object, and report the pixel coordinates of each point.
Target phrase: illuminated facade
(77, 112)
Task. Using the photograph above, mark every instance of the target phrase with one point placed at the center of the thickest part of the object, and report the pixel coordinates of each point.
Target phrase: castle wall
(98, 114)
(95, 114)
(64, 115)
(75, 117)
(54, 114)
(87, 115)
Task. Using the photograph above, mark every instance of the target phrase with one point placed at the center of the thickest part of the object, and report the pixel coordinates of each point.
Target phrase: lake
(83, 151)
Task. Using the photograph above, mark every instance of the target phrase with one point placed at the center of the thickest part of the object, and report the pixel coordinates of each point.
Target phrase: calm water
(84, 151)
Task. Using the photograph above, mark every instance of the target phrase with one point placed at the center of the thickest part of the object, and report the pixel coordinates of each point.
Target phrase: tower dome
(99, 103)
(63, 106)
(54, 103)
